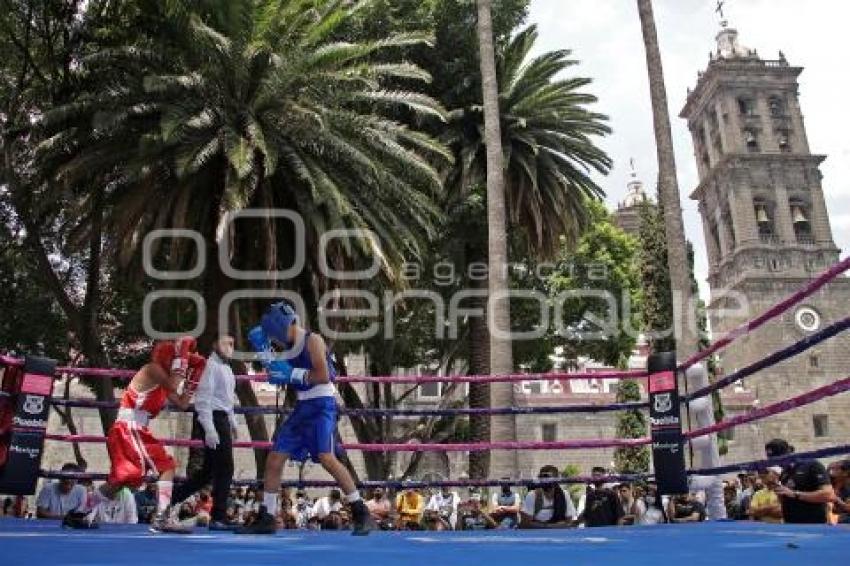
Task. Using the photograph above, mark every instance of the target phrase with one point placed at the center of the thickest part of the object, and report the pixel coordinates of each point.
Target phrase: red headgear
(164, 353)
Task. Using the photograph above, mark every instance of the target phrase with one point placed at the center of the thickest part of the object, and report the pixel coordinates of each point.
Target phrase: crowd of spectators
(805, 492)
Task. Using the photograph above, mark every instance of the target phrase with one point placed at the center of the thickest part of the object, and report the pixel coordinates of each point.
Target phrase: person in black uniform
(804, 488)
(601, 506)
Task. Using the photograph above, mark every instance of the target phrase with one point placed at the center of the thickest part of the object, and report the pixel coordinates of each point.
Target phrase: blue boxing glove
(281, 372)
(260, 342)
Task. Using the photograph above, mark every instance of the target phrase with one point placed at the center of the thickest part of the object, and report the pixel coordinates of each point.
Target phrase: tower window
(747, 106)
(764, 218)
(751, 139)
(784, 140)
(800, 217)
(777, 106)
(814, 361)
(821, 425)
(549, 432)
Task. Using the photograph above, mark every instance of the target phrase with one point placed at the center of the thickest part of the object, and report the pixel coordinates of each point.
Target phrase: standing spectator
(685, 508)
(57, 499)
(840, 475)
(146, 502)
(764, 505)
(118, 509)
(215, 424)
(548, 506)
(506, 506)
(804, 489)
(410, 505)
(473, 516)
(602, 506)
(380, 509)
(654, 509)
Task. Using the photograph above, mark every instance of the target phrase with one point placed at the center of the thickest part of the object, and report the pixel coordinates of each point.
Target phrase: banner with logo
(19, 475)
(665, 419)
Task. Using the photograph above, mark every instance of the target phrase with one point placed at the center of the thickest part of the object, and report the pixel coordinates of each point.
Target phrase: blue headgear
(277, 320)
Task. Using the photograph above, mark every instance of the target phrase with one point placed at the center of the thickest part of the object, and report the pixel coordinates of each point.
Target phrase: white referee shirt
(216, 392)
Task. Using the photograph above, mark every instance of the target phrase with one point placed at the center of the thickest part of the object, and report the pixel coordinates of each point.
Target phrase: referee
(214, 413)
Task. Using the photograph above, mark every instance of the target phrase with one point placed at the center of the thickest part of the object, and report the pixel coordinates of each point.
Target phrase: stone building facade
(767, 230)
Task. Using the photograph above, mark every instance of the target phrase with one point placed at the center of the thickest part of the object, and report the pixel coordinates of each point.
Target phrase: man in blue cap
(310, 430)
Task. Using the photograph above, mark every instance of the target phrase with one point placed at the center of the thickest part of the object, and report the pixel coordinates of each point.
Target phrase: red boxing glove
(184, 347)
(197, 363)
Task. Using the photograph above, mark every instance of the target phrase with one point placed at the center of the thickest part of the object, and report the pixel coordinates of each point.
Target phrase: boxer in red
(133, 450)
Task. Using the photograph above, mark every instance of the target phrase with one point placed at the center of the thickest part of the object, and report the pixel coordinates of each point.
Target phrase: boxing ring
(704, 543)
(709, 544)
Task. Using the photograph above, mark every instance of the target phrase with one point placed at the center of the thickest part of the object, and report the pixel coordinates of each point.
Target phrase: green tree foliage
(655, 278)
(631, 424)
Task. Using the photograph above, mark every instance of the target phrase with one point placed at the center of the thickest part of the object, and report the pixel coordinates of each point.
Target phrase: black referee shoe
(363, 523)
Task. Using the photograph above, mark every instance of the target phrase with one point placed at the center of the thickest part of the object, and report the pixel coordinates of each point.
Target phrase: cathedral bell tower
(768, 233)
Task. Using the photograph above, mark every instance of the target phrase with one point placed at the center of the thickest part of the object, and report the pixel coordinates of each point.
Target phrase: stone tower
(768, 233)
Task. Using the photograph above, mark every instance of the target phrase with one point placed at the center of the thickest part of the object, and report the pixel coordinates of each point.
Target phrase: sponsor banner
(37, 384)
(665, 421)
(31, 411)
(20, 474)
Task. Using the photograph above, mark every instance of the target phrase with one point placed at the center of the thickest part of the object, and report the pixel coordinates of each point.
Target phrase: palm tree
(545, 133)
(246, 103)
(668, 185)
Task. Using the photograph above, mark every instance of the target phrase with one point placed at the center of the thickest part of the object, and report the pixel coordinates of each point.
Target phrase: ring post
(30, 395)
(668, 456)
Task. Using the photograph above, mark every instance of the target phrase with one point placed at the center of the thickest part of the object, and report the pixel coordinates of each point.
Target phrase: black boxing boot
(363, 523)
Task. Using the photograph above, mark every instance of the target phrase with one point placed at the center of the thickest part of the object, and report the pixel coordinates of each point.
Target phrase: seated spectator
(654, 509)
(303, 511)
(286, 514)
(203, 507)
(764, 505)
(324, 506)
(505, 507)
(410, 505)
(380, 509)
(442, 510)
(602, 507)
(840, 477)
(548, 506)
(804, 488)
(57, 499)
(732, 502)
(685, 508)
(473, 516)
(146, 502)
(120, 509)
(8, 505)
(632, 506)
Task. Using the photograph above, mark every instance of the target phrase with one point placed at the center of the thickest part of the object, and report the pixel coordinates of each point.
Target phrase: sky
(605, 36)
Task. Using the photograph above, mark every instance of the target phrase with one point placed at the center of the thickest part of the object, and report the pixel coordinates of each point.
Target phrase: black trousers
(217, 468)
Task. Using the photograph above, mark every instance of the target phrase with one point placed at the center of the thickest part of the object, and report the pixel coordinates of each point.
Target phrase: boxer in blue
(309, 431)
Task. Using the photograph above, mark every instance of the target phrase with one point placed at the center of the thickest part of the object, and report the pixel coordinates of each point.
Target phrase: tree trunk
(668, 189)
(498, 311)
(479, 393)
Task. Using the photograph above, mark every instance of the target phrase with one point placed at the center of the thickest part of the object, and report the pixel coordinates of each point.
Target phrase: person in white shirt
(57, 499)
(216, 425)
(442, 506)
(120, 509)
(324, 506)
(548, 506)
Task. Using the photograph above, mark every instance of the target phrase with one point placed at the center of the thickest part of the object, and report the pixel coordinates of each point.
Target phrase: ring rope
(807, 398)
(373, 412)
(403, 447)
(780, 308)
(776, 357)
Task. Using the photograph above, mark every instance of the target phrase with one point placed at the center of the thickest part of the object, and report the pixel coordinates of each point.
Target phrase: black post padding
(668, 454)
(25, 445)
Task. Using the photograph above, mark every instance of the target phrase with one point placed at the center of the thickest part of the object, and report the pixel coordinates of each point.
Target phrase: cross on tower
(719, 10)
